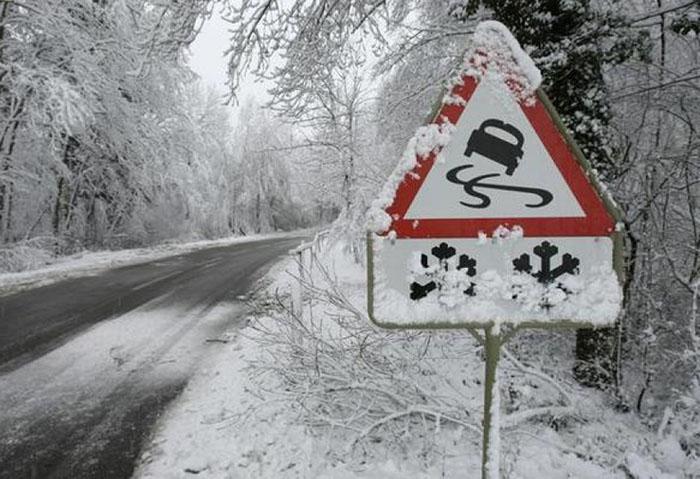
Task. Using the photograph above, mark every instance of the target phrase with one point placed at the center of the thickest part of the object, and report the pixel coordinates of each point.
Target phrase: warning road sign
(496, 166)
(499, 219)
(493, 220)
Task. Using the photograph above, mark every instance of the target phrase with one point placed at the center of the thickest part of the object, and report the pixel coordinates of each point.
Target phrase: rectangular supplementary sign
(456, 282)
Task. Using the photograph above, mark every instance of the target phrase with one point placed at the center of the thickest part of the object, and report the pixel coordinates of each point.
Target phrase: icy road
(87, 365)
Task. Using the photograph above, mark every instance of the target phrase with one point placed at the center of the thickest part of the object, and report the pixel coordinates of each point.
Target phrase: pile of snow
(519, 297)
(496, 51)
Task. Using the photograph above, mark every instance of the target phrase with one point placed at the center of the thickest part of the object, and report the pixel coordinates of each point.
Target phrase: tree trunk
(5, 184)
(59, 207)
(257, 225)
(91, 223)
(7, 146)
(5, 198)
(596, 357)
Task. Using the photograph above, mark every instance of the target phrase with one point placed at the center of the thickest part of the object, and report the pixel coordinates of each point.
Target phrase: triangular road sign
(493, 219)
(493, 215)
(506, 163)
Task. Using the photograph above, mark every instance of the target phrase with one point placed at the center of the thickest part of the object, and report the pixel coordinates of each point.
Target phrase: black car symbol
(495, 148)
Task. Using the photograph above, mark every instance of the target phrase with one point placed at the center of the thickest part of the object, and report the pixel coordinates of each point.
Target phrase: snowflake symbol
(553, 292)
(442, 275)
(546, 251)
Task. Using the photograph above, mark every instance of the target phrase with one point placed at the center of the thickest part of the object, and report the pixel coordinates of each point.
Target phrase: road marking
(148, 283)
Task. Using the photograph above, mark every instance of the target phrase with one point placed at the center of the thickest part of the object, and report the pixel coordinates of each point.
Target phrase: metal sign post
(492, 424)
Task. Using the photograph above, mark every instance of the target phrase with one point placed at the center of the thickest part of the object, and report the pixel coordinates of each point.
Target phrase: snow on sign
(492, 216)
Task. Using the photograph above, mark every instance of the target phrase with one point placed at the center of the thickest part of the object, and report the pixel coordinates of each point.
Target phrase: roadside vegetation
(107, 141)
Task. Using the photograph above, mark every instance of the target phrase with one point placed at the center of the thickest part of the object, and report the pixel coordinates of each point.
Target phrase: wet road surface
(87, 365)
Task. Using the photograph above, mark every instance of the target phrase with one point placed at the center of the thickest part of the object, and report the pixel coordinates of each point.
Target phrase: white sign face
(495, 166)
(453, 280)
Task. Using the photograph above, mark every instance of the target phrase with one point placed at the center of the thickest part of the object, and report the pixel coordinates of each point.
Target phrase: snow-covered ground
(89, 262)
(85, 404)
(154, 338)
(241, 417)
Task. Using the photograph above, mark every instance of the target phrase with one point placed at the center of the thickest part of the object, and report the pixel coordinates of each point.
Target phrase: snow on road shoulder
(220, 427)
(217, 428)
(103, 388)
(237, 419)
(89, 263)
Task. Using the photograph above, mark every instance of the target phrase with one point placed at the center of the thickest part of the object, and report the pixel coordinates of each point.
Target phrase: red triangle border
(596, 222)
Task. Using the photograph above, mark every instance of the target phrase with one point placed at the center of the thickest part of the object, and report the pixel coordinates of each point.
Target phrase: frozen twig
(437, 416)
(565, 396)
(516, 418)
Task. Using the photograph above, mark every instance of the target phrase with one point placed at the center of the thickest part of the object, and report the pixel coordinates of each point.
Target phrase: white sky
(208, 61)
(207, 53)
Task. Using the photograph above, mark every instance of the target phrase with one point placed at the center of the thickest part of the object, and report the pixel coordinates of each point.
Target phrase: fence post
(298, 253)
(300, 279)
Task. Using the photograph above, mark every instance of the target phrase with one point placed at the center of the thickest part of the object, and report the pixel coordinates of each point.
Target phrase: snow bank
(219, 429)
(641, 468)
(495, 49)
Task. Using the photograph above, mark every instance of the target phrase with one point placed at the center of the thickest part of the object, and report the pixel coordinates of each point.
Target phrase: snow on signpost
(493, 219)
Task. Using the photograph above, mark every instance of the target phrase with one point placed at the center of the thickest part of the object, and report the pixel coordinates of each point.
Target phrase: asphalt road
(88, 365)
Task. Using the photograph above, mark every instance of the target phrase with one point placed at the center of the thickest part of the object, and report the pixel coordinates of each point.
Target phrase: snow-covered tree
(105, 141)
(621, 74)
(572, 43)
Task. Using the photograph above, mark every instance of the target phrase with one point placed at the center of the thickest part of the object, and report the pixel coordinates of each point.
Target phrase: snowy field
(294, 396)
(89, 263)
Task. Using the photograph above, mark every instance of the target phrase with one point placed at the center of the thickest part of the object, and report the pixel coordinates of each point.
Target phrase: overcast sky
(207, 53)
(208, 61)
